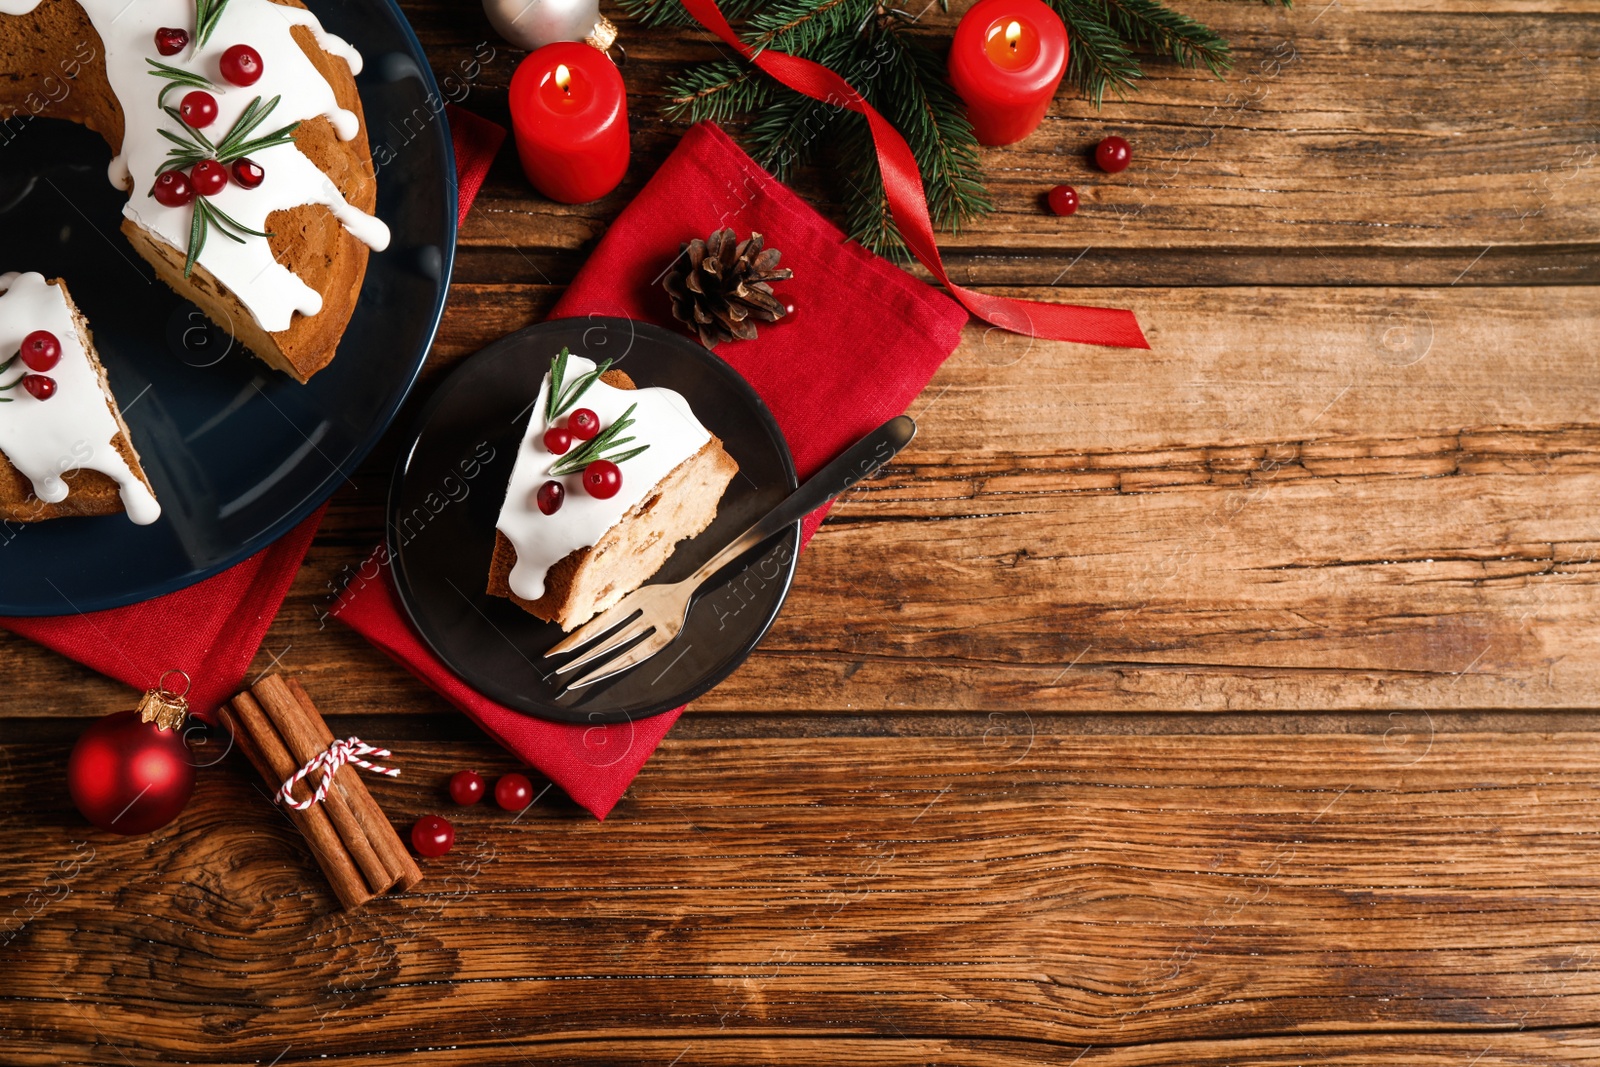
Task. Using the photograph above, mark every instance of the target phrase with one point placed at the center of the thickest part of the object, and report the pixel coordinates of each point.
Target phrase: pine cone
(722, 290)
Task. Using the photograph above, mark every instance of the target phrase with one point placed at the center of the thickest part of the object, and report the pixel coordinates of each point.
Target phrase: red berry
(198, 109)
(1063, 200)
(551, 495)
(241, 65)
(248, 173)
(41, 350)
(466, 787)
(172, 189)
(583, 424)
(170, 40)
(432, 836)
(557, 440)
(1112, 155)
(602, 479)
(513, 792)
(208, 177)
(40, 386)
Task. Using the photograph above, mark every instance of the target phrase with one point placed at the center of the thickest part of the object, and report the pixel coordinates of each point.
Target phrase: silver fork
(660, 611)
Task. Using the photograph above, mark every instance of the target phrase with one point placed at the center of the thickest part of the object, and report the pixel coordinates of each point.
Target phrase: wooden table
(1224, 704)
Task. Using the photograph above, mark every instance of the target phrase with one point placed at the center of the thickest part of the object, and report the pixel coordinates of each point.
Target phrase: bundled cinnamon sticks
(279, 730)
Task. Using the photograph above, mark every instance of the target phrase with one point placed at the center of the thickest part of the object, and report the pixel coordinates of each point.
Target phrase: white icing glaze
(271, 292)
(74, 429)
(663, 421)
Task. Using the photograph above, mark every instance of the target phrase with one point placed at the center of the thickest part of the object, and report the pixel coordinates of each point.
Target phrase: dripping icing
(75, 428)
(271, 292)
(664, 422)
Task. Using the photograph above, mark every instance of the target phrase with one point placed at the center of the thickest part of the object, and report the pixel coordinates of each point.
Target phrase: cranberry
(170, 40)
(39, 386)
(1063, 200)
(432, 836)
(248, 173)
(1112, 155)
(557, 440)
(466, 787)
(208, 177)
(172, 189)
(513, 792)
(198, 109)
(551, 496)
(583, 424)
(602, 479)
(241, 65)
(41, 350)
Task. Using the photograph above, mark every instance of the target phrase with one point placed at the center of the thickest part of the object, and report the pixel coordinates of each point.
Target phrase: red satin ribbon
(908, 204)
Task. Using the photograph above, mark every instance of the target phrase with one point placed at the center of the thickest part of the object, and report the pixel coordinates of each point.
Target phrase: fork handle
(857, 463)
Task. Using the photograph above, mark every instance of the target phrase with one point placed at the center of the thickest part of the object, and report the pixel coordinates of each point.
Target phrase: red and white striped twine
(337, 755)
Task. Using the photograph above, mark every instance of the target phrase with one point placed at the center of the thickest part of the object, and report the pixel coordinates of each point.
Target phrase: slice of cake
(64, 449)
(608, 479)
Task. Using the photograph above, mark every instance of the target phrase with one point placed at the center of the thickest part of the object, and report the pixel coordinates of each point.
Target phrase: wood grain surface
(1223, 704)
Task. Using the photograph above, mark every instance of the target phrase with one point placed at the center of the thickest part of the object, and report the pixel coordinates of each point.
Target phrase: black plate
(449, 485)
(238, 453)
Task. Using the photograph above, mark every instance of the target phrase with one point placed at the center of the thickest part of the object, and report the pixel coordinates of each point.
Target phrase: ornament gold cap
(604, 34)
(164, 706)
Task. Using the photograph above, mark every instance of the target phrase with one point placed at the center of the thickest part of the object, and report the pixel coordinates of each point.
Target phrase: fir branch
(800, 25)
(176, 77)
(1187, 41)
(1098, 57)
(595, 447)
(787, 132)
(671, 13)
(719, 91)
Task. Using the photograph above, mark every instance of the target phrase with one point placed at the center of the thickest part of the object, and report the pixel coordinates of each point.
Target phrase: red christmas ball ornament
(171, 40)
(39, 386)
(131, 772)
(432, 835)
(1063, 200)
(41, 350)
(1112, 155)
(172, 189)
(602, 479)
(198, 109)
(583, 424)
(248, 173)
(208, 177)
(241, 65)
(513, 792)
(466, 787)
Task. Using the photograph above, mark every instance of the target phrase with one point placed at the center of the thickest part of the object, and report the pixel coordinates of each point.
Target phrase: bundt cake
(64, 449)
(236, 128)
(608, 479)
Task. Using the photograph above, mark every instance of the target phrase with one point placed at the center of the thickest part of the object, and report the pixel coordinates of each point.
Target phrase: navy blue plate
(238, 453)
(451, 480)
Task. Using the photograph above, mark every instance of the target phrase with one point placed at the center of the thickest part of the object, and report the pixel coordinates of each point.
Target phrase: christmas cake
(608, 479)
(64, 449)
(236, 128)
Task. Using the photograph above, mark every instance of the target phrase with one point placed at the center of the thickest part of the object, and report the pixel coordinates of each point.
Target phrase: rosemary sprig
(562, 395)
(207, 215)
(206, 14)
(595, 447)
(194, 146)
(175, 78)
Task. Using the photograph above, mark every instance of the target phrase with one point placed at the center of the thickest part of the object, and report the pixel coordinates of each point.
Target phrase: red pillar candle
(1006, 61)
(570, 114)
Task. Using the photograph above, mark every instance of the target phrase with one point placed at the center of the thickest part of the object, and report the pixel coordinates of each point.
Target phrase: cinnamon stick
(264, 749)
(380, 831)
(271, 694)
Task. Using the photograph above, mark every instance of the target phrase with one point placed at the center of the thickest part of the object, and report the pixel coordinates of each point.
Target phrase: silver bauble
(533, 24)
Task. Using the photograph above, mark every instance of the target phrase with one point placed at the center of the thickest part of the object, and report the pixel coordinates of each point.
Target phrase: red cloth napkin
(211, 630)
(864, 342)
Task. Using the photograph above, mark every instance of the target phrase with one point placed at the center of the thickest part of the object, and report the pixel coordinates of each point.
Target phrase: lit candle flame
(564, 76)
(1013, 33)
